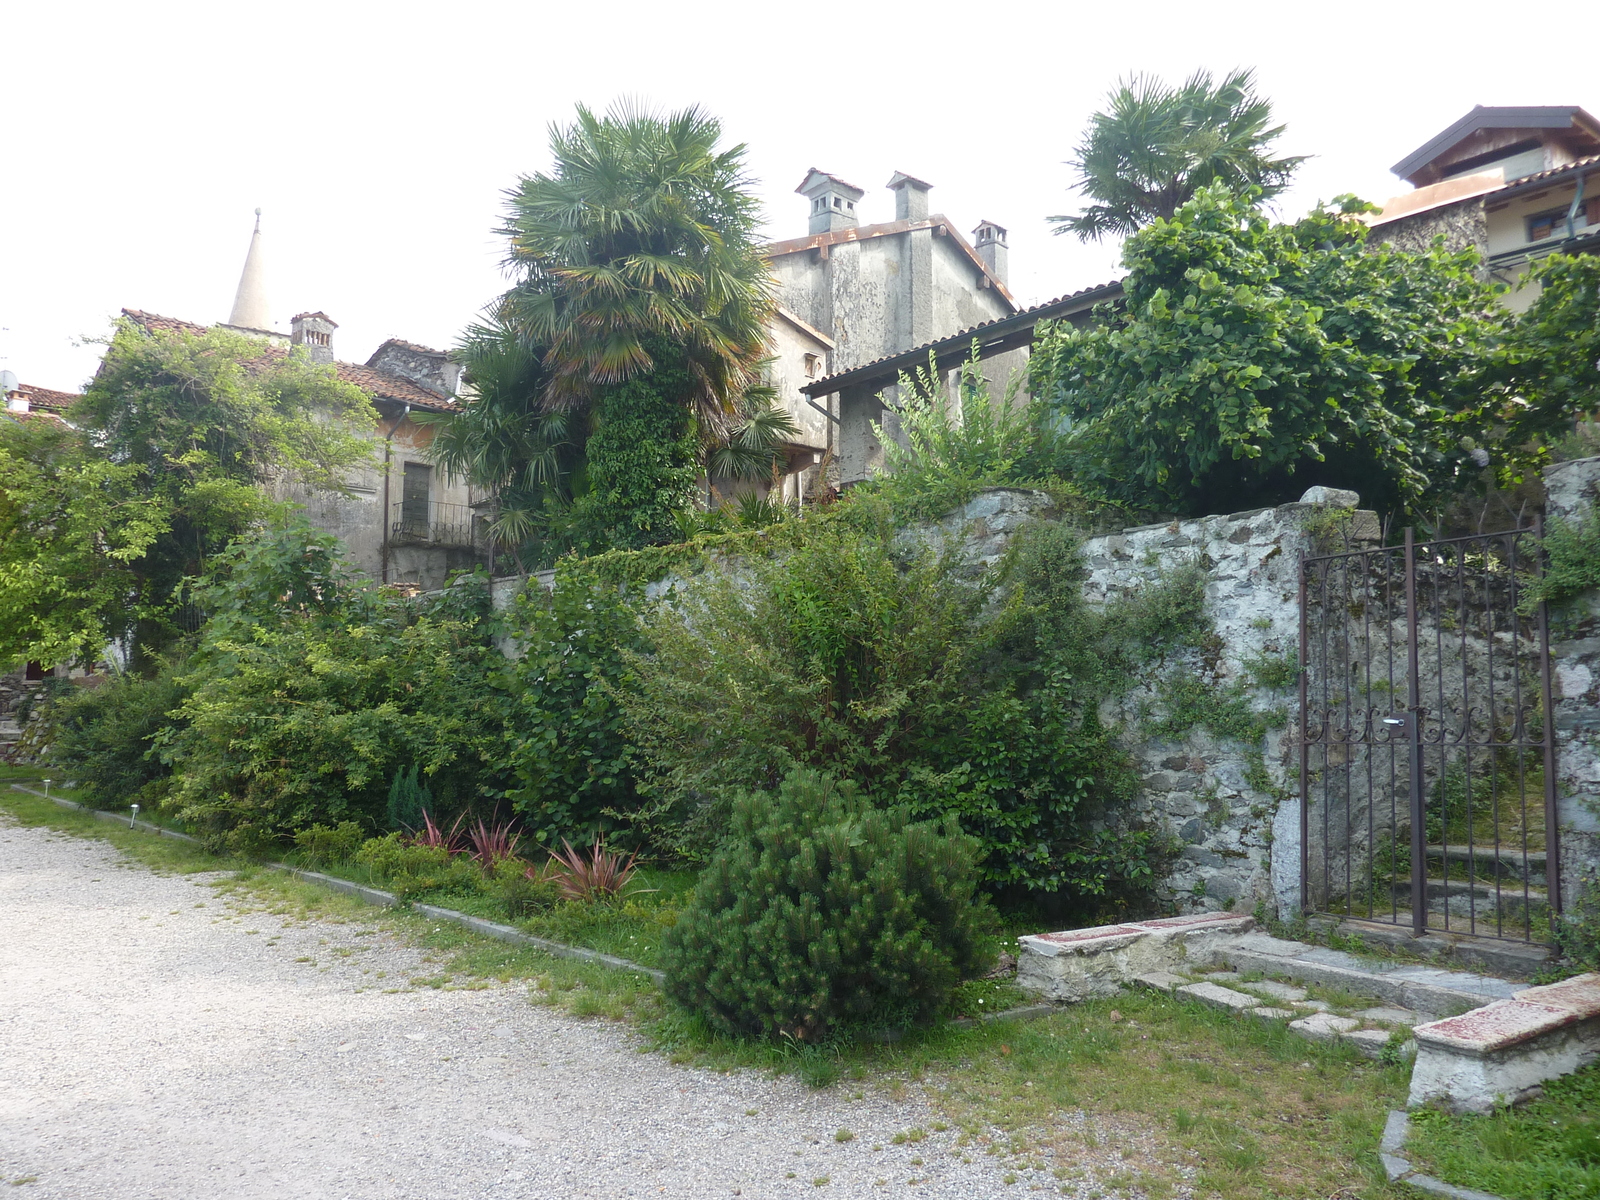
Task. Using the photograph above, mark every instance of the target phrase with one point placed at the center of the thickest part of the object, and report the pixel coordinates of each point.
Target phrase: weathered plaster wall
(1573, 488)
(361, 521)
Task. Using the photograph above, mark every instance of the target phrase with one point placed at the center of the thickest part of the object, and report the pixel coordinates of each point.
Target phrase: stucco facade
(861, 293)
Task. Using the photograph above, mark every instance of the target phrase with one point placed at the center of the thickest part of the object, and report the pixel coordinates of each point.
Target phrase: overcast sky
(136, 139)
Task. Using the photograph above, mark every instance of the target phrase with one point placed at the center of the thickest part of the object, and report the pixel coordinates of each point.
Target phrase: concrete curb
(1400, 1170)
(506, 933)
(101, 814)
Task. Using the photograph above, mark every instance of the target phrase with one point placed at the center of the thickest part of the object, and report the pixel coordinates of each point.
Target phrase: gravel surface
(157, 1042)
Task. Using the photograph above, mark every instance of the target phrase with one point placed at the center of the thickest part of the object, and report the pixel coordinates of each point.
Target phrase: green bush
(408, 870)
(564, 738)
(891, 665)
(822, 914)
(309, 690)
(409, 800)
(522, 889)
(323, 845)
(104, 738)
(1577, 929)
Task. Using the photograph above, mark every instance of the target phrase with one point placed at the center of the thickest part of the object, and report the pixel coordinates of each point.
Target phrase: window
(836, 202)
(414, 497)
(813, 365)
(1547, 224)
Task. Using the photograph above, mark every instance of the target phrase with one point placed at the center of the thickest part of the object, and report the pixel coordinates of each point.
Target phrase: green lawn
(1547, 1150)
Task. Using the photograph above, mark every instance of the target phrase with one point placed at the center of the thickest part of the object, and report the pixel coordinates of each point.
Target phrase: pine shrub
(409, 799)
(821, 913)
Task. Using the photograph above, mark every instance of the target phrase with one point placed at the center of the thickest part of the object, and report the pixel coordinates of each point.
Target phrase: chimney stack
(833, 201)
(314, 331)
(989, 240)
(910, 196)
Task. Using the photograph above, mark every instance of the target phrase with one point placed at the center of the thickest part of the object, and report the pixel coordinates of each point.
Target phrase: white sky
(136, 139)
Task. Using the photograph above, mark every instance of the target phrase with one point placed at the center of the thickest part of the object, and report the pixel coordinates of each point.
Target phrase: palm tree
(643, 229)
(1155, 146)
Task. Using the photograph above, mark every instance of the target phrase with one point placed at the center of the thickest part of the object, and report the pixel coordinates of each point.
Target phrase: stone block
(1267, 1013)
(1323, 1027)
(1391, 1016)
(1160, 981)
(1218, 996)
(1502, 1052)
(1076, 964)
(1276, 991)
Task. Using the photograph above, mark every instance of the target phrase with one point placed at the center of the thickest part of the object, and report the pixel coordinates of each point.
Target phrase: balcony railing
(435, 524)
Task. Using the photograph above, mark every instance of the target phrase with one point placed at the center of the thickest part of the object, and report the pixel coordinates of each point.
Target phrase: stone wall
(1573, 488)
(1464, 225)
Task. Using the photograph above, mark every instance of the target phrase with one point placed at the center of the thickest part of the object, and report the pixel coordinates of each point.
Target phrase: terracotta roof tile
(380, 385)
(46, 399)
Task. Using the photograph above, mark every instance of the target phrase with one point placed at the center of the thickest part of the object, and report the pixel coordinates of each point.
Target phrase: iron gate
(1427, 772)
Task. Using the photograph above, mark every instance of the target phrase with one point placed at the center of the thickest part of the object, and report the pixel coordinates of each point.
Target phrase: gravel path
(155, 1042)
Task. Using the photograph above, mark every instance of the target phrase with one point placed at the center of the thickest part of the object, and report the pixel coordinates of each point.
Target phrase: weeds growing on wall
(1572, 563)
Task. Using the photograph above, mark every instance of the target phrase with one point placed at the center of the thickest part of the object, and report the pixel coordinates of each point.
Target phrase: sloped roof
(994, 336)
(1562, 116)
(1469, 187)
(865, 233)
(381, 385)
(47, 399)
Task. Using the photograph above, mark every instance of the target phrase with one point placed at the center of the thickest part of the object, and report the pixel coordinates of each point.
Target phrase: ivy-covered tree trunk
(642, 457)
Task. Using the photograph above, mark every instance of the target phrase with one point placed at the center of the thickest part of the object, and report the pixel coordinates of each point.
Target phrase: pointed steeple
(250, 301)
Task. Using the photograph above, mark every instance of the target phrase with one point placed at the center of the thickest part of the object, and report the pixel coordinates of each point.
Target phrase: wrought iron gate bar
(1420, 813)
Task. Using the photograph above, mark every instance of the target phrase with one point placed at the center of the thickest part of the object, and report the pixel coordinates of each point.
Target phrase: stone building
(404, 520)
(1514, 184)
(850, 294)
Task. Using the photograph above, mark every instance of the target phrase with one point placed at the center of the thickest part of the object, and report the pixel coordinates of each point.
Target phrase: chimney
(12, 390)
(910, 196)
(314, 331)
(989, 240)
(833, 201)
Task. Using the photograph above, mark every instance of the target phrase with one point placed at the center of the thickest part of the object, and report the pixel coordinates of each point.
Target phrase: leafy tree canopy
(1253, 360)
(1155, 146)
(172, 449)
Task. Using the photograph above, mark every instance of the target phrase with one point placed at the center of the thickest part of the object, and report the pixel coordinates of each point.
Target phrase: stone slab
(1579, 995)
(1268, 1013)
(1265, 943)
(1395, 1129)
(1313, 1005)
(1495, 1027)
(1436, 1187)
(1218, 996)
(1323, 1027)
(1390, 1016)
(1161, 981)
(1275, 991)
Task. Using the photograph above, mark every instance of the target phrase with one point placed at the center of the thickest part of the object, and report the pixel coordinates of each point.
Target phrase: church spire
(250, 301)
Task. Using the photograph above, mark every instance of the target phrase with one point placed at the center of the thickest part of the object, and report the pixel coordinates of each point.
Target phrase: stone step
(1513, 960)
(1421, 989)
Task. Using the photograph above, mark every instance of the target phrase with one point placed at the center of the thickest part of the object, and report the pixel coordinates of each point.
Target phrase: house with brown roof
(25, 402)
(1513, 183)
(851, 294)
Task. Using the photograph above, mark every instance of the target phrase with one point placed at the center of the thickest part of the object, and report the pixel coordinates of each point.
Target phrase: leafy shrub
(1577, 930)
(888, 664)
(564, 739)
(822, 913)
(309, 690)
(323, 845)
(409, 800)
(1572, 565)
(522, 889)
(105, 737)
(407, 869)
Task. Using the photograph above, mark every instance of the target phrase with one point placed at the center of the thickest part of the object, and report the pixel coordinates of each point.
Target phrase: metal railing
(435, 524)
